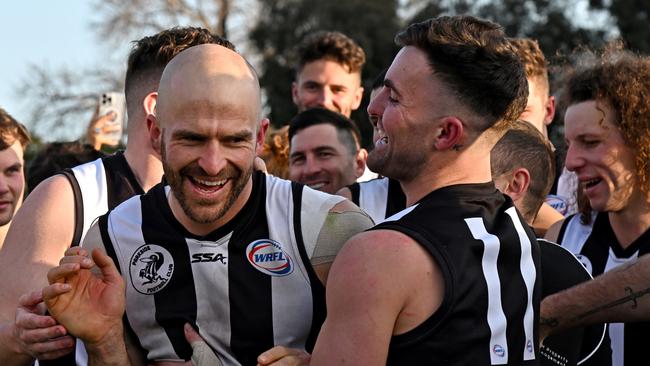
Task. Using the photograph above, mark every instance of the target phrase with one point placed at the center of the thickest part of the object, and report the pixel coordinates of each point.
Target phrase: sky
(47, 33)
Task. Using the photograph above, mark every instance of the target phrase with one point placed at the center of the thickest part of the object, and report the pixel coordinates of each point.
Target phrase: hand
(99, 131)
(202, 354)
(89, 306)
(39, 335)
(259, 164)
(284, 356)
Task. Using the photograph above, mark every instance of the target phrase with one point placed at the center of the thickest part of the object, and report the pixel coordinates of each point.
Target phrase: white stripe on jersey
(127, 218)
(529, 273)
(91, 178)
(211, 294)
(373, 198)
(401, 214)
(496, 318)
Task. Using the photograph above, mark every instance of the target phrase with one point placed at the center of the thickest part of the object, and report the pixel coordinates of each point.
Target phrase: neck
(631, 222)
(202, 229)
(3, 233)
(448, 168)
(143, 160)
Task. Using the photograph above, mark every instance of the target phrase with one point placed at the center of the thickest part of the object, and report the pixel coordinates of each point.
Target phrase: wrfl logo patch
(268, 257)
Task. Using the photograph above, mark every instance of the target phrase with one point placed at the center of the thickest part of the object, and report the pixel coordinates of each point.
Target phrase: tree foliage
(284, 23)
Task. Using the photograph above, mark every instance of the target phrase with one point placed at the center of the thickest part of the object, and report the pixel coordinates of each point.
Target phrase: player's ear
(449, 134)
(360, 162)
(519, 183)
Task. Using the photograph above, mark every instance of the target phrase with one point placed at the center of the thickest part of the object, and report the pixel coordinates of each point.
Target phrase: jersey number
(496, 317)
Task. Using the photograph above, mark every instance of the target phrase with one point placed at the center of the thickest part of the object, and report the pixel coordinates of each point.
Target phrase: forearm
(621, 295)
(109, 351)
(10, 352)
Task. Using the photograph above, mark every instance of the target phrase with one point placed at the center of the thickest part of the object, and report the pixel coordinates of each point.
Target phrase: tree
(284, 23)
(62, 100)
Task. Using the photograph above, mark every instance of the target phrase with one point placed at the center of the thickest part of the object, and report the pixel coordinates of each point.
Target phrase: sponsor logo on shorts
(151, 268)
(268, 257)
(498, 350)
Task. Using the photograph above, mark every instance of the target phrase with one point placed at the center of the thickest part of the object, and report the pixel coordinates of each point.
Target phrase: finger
(191, 335)
(107, 266)
(63, 271)
(73, 251)
(54, 290)
(53, 348)
(84, 262)
(99, 122)
(30, 300)
(274, 354)
(41, 335)
(27, 319)
(259, 164)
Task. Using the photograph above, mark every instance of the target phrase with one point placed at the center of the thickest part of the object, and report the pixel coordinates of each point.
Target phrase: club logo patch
(151, 268)
(268, 257)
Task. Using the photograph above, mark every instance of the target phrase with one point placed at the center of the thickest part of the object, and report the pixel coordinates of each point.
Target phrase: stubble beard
(205, 211)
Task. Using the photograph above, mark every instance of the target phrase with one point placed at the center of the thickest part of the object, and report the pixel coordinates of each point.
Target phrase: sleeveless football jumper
(490, 263)
(246, 287)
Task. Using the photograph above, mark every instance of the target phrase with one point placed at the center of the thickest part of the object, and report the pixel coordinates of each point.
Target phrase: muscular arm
(620, 295)
(39, 235)
(368, 294)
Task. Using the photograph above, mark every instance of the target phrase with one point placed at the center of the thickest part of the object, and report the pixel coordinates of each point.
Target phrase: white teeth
(317, 185)
(211, 183)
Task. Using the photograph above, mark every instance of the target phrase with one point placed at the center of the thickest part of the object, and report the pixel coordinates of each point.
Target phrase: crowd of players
(438, 260)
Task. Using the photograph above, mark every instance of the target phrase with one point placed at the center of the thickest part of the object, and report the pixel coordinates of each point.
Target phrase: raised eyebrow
(391, 85)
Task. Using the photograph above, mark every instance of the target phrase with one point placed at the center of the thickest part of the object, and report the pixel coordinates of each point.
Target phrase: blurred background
(58, 56)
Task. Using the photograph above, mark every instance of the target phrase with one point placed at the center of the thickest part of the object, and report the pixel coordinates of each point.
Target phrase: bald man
(241, 256)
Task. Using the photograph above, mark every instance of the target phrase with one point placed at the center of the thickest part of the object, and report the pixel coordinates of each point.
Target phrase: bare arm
(364, 313)
(620, 295)
(39, 235)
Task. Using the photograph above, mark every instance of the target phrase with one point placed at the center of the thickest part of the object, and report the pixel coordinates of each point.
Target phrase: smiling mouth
(316, 186)
(208, 185)
(592, 182)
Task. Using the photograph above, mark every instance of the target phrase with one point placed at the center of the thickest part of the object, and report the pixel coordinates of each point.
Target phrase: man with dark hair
(452, 279)
(59, 212)
(247, 254)
(522, 167)
(13, 140)
(325, 151)
(328, 73)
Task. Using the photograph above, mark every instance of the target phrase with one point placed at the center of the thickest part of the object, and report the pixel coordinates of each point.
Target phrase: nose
(376, 107)
(574, 159)
(212, 159)
(311, 167)
(326, 99)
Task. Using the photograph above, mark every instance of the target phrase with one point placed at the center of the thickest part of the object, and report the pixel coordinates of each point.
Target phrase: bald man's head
(210, 77)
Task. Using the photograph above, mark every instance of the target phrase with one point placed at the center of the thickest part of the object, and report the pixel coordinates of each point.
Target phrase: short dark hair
(331, 46)
(474, 58)
(12, 131)
(150, 55)
(347, 130)
(54, 157)
(523, 146)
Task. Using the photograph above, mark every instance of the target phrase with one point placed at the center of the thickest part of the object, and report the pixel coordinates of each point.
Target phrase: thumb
(106, 266)
(31, 299)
